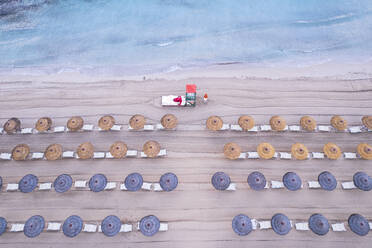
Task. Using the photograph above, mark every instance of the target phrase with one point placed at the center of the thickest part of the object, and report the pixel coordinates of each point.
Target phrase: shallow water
(139, 36)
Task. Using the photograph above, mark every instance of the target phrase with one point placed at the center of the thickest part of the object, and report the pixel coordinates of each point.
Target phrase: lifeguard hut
(191, 95)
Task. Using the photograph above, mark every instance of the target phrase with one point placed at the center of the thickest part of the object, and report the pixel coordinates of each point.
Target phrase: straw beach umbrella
(214, 123)
(137, 122)
(97, 182)
(34, 226)
(3, 225)
(12, 125)
(43, 124)
(62, 183)
(53, 152)
(75, 123)
(362, 181)
(280, 224)
(332, 151)
(339, 123)
(367, 121)
(256, 180)
(220, 181)
(169, 121)
(246, 122)
(292, 181)
(299, 151)
(72, 226)
(149, 225)
(232, 151)
(358, 224)
(28, 183)
(327, 181)
(106, 122)
(242, 225)
(168, 181)
(265, 151)
(151, 148)
(308, 123)
(277, 123)
(111, 225)
(318, 224)
(20, 152)
(365, 151)
(133, 182)
(85, 150)
(118, 149)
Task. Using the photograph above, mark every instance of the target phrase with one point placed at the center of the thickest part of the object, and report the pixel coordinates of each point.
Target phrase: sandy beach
(198, 215)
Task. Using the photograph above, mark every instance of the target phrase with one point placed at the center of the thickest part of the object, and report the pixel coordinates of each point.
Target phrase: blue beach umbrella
(97, 182)
(318, 224)
(62, 183)
(3, 224)
(34, 226)
(242, 225)
(256, 180)
(292, 181)
(28, 183)
(220, 181)
(168, 181)
(358, 224)
(111, 225)
(280, 224)
(72, 226)
(327, 181)
(362, 181)
(133, 182)
(149, 225)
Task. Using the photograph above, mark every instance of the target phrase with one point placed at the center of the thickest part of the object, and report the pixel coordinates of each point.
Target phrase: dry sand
(198, 215)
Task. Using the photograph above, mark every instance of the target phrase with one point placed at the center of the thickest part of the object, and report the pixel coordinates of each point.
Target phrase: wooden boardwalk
(198, 215)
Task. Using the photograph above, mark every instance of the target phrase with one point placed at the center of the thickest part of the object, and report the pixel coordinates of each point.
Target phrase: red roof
(190, 88)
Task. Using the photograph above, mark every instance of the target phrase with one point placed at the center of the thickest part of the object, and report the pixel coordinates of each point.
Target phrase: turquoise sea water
(145, 36)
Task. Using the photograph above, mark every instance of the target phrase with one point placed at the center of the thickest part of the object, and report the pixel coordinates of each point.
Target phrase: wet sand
(198, 215)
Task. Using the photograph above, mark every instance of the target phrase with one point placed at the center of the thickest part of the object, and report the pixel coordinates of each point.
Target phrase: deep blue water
(142, 36)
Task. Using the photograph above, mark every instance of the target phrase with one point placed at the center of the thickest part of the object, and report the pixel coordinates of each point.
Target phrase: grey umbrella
(133, 182)
(111, 225)
(72, 226)
(318, 224)
(97, 182)
(168, 181)
(220, 181)
(242, 225)
(362, 181)
(28, 183)
(3, 224)
(256, 180)
(292, 181)
(358, 224)
(327, 181)
(62, 183)
(34, 226)
(281, 224)
(149, 225)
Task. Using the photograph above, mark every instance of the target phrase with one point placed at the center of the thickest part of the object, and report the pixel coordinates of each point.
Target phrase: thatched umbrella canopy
(169, 121)
(327, 181)
(367, 121)
(242, 225)
(220, 180)
(133, 182)
(299, 151)
(3, 225)
(308, 123)
(232, 150)
(256, 180)
(53, 152)
(319, 224)
(246, 122)
(12, 125)
(332, 151)
(118, 149)
(292, 181)
(111, 225)
(265, 151)
(72, 226)
(20, 152)
(151, 148)
(362, 181)
(62, 183)
(214, 123)
(149, 225)
(137, 122)
(34, 226)
(277, 123)
(28, 183)
(365, 151)
(43, 124)
(281, 224)
(75, 123)
(85, 150)
(358, 224)
(97, 182)
(168, 181)
(339, 123)
(106, 122)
